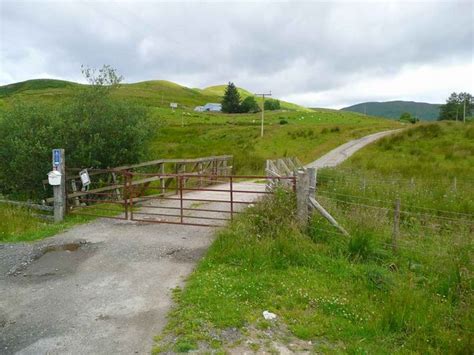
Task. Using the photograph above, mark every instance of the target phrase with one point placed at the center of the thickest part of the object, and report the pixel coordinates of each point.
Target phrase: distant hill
(220, 89)
(35, 84)
(155, 93)
(393, 109)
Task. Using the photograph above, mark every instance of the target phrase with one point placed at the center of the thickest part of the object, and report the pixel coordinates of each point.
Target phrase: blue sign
(56, 157)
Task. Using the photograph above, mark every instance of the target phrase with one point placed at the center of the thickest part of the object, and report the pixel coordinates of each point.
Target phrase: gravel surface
(103, 287)
(344, 151)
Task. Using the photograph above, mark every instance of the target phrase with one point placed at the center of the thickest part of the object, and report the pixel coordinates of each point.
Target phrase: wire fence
(404, 227)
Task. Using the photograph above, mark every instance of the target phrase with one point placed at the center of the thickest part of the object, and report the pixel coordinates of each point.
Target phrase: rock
(269, 315)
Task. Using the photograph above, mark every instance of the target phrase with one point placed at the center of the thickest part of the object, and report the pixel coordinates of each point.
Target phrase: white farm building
(212, 107)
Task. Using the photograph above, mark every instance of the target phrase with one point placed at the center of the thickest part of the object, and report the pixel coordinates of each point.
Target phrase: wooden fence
(113, 179)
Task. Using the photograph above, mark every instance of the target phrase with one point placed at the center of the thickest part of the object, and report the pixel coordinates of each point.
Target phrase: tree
(231, 100)
(272, 104)
(249, 104)
(407, 117)
(454, 107)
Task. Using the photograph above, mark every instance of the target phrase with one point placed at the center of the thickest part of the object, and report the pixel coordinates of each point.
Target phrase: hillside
(219, 91)
(35, 84)
(393, 109)
(153, 93)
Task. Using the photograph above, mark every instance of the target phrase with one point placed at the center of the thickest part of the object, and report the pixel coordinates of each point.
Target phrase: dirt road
(104, 287)
(344, 151)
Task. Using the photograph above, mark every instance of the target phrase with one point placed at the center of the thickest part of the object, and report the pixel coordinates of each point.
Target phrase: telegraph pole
(263, 109)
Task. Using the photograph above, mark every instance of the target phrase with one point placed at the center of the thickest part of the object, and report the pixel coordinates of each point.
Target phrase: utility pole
(263, 109)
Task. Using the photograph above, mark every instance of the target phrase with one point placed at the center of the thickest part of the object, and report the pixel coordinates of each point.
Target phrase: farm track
(105, 287)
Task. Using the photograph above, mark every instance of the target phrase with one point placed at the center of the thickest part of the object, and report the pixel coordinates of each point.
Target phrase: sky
(317, 54)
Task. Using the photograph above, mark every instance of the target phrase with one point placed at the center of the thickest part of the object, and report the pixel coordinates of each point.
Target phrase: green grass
(307, 135)
(345, 295)
(23, 226)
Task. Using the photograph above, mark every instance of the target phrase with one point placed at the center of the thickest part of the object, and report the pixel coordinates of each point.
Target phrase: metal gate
(198, 200)
(190, 199)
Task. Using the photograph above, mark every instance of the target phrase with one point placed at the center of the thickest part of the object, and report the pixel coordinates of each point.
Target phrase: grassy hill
(393, 109)
(218, 90)
(153, 93)
(35, 84)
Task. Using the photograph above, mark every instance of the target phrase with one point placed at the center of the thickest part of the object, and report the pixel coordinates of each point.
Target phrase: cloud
(321, 51)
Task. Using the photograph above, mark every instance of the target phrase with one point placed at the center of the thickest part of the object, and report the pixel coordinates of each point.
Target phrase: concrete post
(302, 196)
(59, 191)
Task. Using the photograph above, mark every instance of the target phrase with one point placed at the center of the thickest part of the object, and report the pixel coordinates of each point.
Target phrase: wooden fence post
(312, 181)
(396, 225)
(59, 191)
(74, 190)
(302, 196)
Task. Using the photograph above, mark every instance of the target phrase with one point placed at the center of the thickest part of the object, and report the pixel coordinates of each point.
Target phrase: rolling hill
(154, 93)
(393, 109)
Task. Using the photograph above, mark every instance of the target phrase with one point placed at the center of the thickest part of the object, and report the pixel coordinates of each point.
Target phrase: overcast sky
(318, 54)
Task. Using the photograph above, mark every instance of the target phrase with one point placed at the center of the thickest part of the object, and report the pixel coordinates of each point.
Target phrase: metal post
(59, 191)
(302, 196)
(396, 224)
(181, 197)
(231, 198)
(130, 194)
(125, 194)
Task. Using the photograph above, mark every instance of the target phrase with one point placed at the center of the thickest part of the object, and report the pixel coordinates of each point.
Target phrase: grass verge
(20, 225)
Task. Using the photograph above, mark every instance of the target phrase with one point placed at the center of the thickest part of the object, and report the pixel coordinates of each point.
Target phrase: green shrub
(249, 104)
(271, 104)
(94, 129)
(283, 121)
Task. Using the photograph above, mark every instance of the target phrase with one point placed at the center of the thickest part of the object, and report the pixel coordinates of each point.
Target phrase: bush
(249, 104)
(272, 105)
(94, 129)
(28, 133)
(283, 121)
